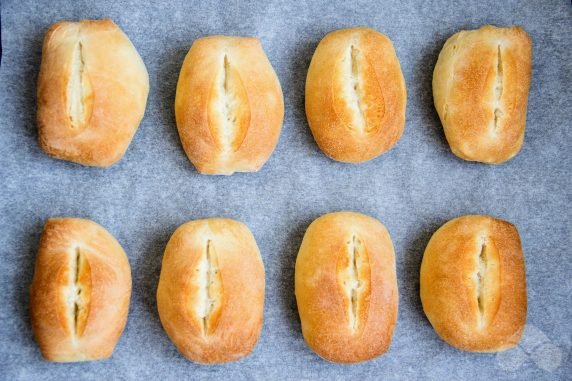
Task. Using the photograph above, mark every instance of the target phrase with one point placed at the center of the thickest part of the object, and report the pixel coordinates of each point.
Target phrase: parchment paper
(413, 189)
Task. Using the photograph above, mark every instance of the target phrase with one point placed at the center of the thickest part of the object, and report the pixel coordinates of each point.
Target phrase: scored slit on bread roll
(92, 92)
(346, 287)
(211, 290)
(473, 284)
(80, 293)
(480, 89)
(355, 95)
(229, 106)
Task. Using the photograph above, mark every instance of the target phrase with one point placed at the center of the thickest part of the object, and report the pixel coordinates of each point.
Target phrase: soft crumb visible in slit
(76, 89)
(352, 282)
(209, 280)
(481, 276)
(498, 113)
(74, 290)
(229, 109)
(353, 89)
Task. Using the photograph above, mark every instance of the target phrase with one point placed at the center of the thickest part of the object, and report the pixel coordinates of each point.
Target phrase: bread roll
(92, 91)
(80, 292)
(480, 89)
(355, 95)
(346, 287)
(229, 105)
(473, 284)
(211, 290)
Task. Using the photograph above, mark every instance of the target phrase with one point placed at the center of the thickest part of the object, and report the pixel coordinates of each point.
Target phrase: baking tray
(413, 189)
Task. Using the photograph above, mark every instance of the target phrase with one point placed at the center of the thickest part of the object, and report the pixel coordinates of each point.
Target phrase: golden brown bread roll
(346, 287)
(92, 91)
(480, 89)
(355, 95)
(473, 284)
(229, 106)
(80, 293)
(211, 290)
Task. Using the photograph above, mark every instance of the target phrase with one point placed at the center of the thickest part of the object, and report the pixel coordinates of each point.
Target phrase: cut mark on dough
(77, 90)
(77, 291)
(356, 96)
(77, 288)
(229, 114)
(209, 286)
(353, 282)
(354, 279)
(481, 276)
(358, 99)
(487, 282)
(498, 88)
(229, 111)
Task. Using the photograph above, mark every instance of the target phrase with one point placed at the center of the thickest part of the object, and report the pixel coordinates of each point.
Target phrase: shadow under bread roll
(80, 293)
(480, 89)
(211, 290)
(229, 105)
(473, 284)
(355, 95)
(346, 287)
(92, 92)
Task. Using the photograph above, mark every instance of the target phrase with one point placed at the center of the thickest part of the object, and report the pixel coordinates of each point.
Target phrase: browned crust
(108, 285)
(239, 320)
(464, 83)
(259, 94)
(327, 112)
(119, 84)
(321, 302)
(448, 284)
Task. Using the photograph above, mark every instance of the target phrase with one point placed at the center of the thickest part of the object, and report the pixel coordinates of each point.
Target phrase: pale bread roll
(473, 284)
(346, 287)
(229, 106)
(80, 293)
(92, 92)
(480, 88)
(355, 95)
(211, 290)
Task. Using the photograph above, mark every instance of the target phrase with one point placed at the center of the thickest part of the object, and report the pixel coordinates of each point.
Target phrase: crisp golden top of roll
(80, 292)
(473, 284)
(229, 105)
(480, 89)
(92, 92)
(355, 95)
(211, 290)
(346, 287)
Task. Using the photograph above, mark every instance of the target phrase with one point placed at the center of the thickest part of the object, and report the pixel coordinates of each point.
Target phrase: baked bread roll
(211, 290)
(480, 89)
(355, 95)
(473, 284)
(229, 106)
(92, 91)
(80, 293)
(346, 287)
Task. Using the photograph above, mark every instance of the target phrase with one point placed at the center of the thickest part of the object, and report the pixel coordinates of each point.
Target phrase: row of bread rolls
(93, 87)
(211, 288)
